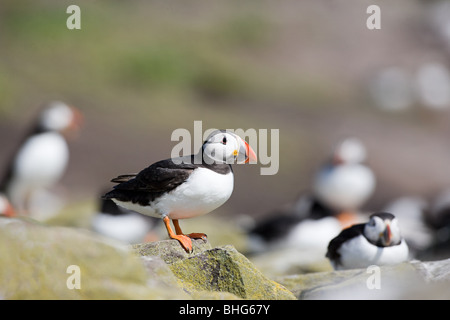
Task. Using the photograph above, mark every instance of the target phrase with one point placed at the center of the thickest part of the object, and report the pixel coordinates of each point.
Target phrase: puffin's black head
(382, 230)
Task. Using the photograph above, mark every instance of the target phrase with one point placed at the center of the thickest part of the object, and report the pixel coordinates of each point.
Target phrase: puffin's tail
(116, 193)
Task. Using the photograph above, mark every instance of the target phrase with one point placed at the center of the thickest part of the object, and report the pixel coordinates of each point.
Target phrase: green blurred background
(140, 69)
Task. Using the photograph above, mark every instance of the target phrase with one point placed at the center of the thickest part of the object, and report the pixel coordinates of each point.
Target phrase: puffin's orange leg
(190, 235)
(185, 241)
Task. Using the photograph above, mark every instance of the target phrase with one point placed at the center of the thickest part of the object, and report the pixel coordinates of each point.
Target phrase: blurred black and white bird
(377, 242)
(185, 187)
(41, 159)
(345, 183)
(123, 225)
(307, 226)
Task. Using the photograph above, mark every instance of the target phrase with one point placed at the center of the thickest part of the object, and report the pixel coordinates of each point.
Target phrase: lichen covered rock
(36, 262)
(216, 270)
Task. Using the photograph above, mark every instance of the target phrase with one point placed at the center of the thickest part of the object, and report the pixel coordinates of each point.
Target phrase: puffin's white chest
(359, 253)
(345, 187)
(204, 191)
(42, 159)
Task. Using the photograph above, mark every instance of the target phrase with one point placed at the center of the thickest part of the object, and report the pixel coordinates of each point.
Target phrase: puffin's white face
(383, 230)
(59, 116)
(226, 147)
(351, 150)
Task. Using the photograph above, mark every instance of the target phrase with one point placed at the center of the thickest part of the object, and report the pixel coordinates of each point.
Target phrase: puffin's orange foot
(202, 236)
(184, 240)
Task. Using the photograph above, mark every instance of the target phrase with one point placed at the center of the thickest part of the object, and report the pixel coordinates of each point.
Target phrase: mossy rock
(215, 273)
(36, 258)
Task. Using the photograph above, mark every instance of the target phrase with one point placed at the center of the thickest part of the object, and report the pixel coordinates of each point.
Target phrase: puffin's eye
(372, 222)
(224, 140)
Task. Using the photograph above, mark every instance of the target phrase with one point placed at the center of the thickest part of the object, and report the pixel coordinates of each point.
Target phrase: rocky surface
(208, 272)
(409, 280)
(287, 261)
(36, 264)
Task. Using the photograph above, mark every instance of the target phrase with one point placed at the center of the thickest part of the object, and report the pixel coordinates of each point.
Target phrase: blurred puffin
(185, 187)
(306, 225)
(124, 225)
(42, 157)
(344, 183)
(377, 242)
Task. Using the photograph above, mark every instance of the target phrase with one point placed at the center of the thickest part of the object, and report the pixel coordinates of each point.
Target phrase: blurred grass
(133, 54)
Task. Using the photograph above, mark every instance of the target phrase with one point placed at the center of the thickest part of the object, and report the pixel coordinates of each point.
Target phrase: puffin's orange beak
(77, 120)
(387, 234)
(250, 155)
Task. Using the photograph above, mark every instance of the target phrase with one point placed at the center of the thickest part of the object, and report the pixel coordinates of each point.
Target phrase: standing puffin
(344, 183)
(377, 242)
(42, 156)
(184, 187)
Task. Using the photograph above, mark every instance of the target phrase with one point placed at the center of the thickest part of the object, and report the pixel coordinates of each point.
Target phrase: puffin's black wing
(161, 177)
(345, 235)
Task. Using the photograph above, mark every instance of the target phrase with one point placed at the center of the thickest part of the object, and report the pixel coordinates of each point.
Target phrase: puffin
(185, 187)
(306, 224)
(6, 209)
(42, 157)
(376, 242)
(344, 183)
(123, 225)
